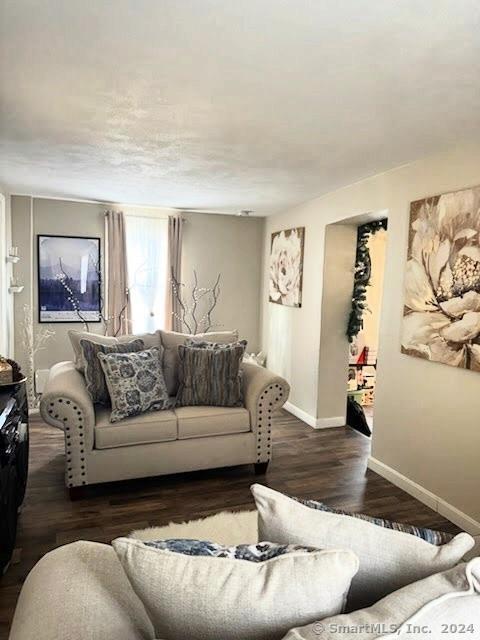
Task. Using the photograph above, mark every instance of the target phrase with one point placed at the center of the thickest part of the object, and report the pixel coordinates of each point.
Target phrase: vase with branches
(33, 342)
(195, 307)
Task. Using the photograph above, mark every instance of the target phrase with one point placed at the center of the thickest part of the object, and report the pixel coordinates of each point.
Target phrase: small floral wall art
(286, 267)
(442, 283)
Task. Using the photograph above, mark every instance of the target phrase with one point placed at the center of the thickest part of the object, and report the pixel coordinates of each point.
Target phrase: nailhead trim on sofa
(270, 399)
(72, 417)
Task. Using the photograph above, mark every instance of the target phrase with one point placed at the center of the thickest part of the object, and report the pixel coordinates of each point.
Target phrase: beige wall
(231, 246)
(340, 249)
(227, 244)
(426, 414)
(32, 216)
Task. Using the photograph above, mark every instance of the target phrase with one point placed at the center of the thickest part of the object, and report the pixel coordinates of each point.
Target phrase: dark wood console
(13, 464)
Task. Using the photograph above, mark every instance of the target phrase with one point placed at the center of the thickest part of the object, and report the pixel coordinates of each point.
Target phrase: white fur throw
(226, 528)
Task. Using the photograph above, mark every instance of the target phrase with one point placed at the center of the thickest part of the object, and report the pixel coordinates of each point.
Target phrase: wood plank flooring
(326, 464)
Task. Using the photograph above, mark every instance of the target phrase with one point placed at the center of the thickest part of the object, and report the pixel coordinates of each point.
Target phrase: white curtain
(147, 253)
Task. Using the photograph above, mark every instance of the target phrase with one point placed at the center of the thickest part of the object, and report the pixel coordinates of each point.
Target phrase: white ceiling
(229, 104)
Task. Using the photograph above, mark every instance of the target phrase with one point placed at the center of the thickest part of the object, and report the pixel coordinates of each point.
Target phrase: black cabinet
(13, 464)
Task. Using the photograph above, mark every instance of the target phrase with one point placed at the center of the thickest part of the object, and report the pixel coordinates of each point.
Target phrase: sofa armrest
(80, 591)
(265, 392)
(67, 405)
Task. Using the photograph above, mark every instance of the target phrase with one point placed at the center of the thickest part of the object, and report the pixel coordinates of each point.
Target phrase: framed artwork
(69, 279)
(441, 320)
(286, 267)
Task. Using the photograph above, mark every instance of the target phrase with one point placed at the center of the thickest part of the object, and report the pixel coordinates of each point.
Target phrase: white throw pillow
(205, 597)
(389, 559)
(443, 606)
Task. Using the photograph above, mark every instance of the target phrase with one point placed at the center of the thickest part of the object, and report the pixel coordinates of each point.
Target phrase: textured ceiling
(229, 104)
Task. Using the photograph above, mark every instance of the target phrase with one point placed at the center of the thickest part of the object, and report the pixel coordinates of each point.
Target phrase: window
(147, 239)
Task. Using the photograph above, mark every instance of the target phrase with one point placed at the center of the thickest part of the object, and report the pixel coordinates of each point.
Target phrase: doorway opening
(363, 328)
(349, 343)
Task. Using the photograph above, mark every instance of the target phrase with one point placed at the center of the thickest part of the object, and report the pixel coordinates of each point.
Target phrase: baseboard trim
(328, 423)
(300, 414)
(315, 423)
(461, 519)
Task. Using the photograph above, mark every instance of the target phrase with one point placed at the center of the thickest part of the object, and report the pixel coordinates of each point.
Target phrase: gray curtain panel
(118, 304)
(175, 236)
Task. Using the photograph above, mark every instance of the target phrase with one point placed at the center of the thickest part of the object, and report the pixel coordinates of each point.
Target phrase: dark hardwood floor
(326, 464)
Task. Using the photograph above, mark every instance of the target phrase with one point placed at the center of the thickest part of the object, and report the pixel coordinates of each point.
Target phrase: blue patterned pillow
(259, 552)
(436, 538)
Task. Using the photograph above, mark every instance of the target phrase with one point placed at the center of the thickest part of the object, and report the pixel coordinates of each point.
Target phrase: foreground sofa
(81, 592)
(160, 442)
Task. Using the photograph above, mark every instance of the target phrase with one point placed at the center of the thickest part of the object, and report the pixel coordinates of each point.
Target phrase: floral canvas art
(442, 283)
(286, 267)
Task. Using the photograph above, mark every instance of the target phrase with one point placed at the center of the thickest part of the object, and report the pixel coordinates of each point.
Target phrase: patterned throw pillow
(259, 552)
(94, 376)
(135, 382)
(210, 374)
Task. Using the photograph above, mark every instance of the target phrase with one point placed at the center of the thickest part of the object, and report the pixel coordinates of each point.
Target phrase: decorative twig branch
(33, 343)
(73, 298)
(188, 313)
(65, 281)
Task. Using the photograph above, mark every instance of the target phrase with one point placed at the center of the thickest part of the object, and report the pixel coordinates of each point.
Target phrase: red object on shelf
(363, 357)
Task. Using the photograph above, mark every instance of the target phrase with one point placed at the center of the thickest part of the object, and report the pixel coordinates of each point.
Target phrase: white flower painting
(286, 267)
(442, 282)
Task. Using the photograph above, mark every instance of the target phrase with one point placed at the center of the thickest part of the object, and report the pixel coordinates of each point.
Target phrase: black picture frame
(51, 293)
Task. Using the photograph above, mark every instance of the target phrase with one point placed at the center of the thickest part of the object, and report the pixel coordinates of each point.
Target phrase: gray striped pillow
(94, 376)
(210, 375)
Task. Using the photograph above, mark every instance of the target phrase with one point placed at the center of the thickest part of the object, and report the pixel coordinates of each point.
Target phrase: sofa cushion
(149, 340)
(172, 340)
(158, 426)
(445, 605)
(197, 597)
(198, 422)
(389, 559)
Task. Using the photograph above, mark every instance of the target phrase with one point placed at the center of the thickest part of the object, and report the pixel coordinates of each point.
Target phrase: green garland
(363, 272)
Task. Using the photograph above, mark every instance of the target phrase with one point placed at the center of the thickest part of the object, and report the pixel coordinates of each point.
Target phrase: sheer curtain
(147, 254)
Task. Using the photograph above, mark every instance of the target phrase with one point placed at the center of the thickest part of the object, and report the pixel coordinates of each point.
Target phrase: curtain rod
(136, 215)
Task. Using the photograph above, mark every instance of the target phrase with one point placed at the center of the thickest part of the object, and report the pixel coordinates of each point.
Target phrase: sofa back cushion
(171, 360)
(149, 340)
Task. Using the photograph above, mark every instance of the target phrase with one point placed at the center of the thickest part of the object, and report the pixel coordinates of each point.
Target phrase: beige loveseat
(160, 442)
